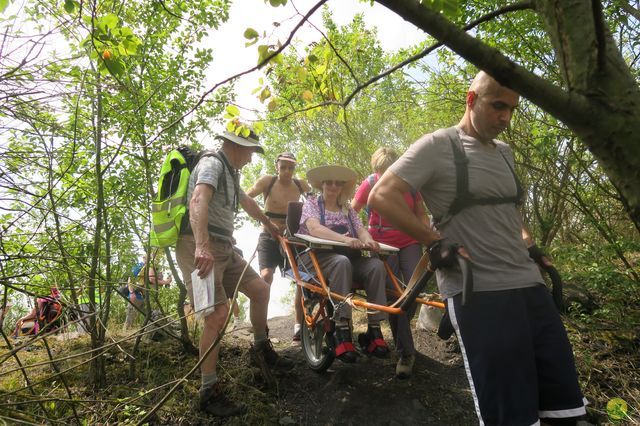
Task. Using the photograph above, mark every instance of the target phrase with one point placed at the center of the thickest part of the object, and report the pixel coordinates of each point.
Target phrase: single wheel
(315, 346)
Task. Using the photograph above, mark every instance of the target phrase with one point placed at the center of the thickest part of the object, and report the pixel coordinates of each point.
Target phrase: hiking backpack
(169, 210)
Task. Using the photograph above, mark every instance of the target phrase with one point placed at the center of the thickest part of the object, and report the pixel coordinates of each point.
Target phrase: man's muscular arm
(259, 187)
(387, 198)
(253, 209)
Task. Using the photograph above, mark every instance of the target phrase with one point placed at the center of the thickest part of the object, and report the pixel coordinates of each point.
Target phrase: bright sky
(228, 43)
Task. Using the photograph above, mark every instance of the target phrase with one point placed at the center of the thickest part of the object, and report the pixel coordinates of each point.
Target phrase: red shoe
(372, 342)
(345, 351)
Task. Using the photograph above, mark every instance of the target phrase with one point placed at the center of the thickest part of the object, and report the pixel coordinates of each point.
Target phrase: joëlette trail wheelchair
(319, 302)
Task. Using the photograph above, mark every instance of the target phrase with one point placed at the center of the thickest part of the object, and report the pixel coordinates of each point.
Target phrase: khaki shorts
(228, 266)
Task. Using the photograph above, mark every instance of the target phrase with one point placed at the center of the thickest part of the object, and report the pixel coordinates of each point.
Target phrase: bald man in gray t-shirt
(517, 356)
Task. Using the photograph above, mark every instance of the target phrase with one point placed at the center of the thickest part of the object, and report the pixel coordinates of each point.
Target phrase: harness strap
(345, 347)
(464, 198)
(352, 229)
(375, 343)
(275, 215)
(273, 182)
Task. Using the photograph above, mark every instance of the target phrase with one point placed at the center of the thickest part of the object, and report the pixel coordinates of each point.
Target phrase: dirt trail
(367, 392)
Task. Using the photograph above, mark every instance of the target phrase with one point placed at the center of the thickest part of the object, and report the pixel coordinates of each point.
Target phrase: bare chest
(280, 196)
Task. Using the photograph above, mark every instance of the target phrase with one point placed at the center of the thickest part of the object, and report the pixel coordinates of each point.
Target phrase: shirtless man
(276, 192)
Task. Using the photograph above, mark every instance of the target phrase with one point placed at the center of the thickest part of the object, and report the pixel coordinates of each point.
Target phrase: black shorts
(517, 356)
(269, 255)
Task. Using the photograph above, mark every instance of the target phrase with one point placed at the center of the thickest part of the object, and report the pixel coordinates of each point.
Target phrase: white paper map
(204, 292)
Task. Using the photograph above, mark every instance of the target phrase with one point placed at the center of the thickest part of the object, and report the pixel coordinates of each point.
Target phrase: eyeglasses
(333, 182)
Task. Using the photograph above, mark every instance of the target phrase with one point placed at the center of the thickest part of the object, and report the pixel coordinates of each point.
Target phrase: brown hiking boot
(213, 401)
(404, 367)
(271, 357)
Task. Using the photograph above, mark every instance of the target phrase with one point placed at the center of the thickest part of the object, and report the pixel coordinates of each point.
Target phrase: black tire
(317, 352)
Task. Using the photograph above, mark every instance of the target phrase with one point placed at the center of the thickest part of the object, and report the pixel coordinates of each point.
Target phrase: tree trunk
(602, 103)
(97, 374)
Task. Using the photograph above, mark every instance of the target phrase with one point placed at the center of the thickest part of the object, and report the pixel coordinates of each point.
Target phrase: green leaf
(69, 6)
(302, 74)
(449, 8)
(109, 21)
(3, 5)
(232, 110)
(277, 59)
(265, 94)
(250, 33)
(116, 67)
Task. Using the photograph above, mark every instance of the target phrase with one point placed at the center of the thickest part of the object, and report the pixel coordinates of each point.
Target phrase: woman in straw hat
(330, 216)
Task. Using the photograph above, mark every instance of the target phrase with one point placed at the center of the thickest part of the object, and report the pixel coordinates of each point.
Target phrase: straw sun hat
(318, 175)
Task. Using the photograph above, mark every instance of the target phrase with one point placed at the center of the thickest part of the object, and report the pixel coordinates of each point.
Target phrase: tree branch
(250, 70)
(570, 107)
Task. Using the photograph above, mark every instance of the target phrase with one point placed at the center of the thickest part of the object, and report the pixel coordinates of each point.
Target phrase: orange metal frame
(324, 290)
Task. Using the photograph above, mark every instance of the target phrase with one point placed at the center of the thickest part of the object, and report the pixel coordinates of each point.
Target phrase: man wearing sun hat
(277, 191)
(209, 246)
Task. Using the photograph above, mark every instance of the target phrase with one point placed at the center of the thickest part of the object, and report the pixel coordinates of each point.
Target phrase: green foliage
(276, 3)
(449, 8)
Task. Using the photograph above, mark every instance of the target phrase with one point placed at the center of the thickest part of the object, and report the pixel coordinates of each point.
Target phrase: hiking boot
(213, 401)
(271, 357)
(404, 367)
(372, 342)
(345, 351)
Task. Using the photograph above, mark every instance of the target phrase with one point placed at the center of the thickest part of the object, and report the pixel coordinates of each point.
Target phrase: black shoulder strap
(462, 174)
(222, 179)
(464, 198)
(273, 182)
(268, 191)
(236, 180)
(519, 191)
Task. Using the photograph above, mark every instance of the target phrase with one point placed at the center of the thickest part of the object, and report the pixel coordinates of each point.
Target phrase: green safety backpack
(169, 210)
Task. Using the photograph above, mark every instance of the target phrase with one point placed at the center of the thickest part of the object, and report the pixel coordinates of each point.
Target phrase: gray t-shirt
(491, 233)
(221, 208)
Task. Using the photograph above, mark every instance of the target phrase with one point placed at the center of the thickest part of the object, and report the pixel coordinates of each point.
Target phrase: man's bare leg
(212, 326)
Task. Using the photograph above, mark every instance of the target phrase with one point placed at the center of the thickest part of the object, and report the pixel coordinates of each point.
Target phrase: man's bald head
(483, 84)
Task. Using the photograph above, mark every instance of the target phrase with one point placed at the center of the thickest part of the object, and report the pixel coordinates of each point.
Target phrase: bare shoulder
(260, 186)
(305, 185)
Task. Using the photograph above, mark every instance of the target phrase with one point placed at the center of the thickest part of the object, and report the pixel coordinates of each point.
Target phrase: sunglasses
(333, 182)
